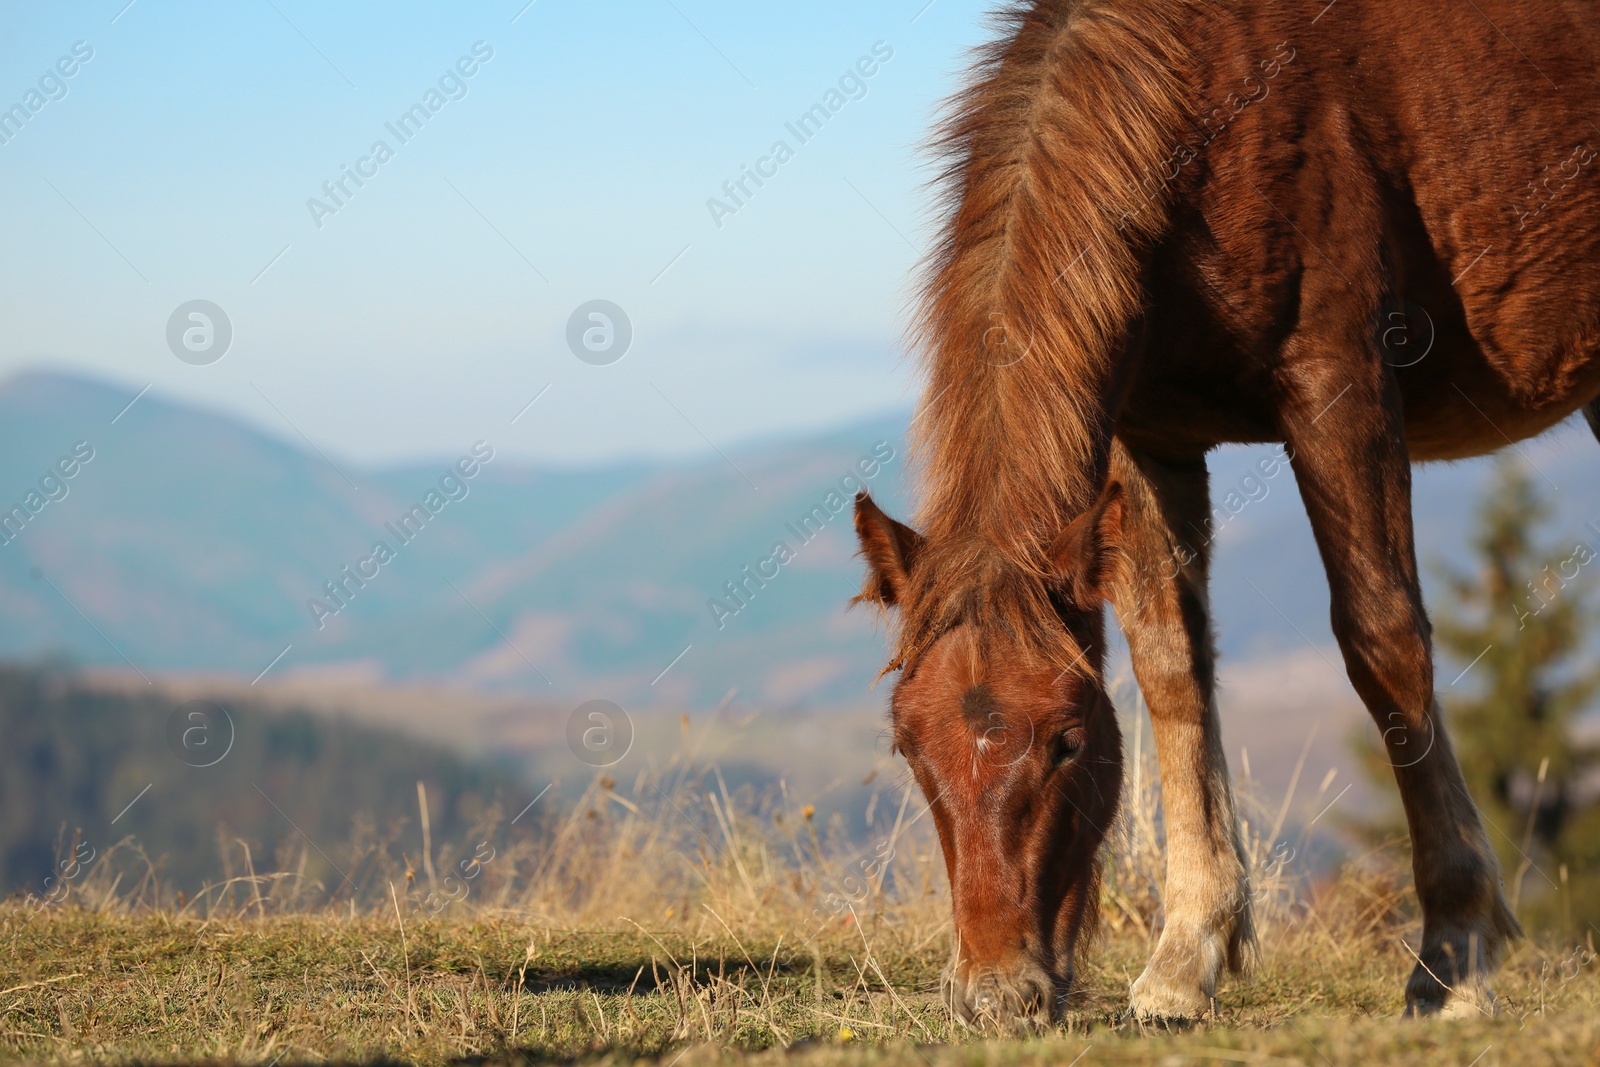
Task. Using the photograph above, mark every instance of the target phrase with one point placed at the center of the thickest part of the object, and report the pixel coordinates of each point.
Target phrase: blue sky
(576, 164)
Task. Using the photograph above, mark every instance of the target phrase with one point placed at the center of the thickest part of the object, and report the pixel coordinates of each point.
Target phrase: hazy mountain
(188, 541)
(191, 542)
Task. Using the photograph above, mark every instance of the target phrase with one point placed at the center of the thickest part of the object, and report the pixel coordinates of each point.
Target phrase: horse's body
(1368, 231)
(1401, 148)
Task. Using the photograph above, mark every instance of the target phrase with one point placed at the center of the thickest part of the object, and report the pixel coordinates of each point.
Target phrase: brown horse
(1176, 224)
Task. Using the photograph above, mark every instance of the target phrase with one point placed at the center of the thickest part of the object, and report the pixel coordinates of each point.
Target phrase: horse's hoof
(1155, 999)
(1472, 1000)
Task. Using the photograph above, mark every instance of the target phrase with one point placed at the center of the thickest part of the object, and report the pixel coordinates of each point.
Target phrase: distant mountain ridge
(191, 542)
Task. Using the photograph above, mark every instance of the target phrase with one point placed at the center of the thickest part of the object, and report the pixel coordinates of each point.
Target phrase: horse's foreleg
(1162, 608)
(1345, 429)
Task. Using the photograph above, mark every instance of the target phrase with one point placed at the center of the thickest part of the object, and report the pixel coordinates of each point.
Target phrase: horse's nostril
(1031, 1000)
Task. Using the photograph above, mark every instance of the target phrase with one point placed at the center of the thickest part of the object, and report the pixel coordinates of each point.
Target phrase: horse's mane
(1052, 181)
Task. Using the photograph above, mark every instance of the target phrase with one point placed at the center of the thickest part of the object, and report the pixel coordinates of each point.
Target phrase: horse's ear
(1088, 554)
(889, 547)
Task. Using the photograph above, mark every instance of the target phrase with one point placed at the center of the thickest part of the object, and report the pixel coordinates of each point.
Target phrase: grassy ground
(154, 987)
(673, 922)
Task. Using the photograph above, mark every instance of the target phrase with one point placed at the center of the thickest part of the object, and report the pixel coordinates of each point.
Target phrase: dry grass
(671, 919)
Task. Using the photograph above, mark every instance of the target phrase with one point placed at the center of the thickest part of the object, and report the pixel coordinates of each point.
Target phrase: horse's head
(1018, 754)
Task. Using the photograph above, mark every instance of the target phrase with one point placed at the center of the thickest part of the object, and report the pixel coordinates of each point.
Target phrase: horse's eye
(1069, 746)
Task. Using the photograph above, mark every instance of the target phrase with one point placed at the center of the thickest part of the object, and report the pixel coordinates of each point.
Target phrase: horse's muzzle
(1020, 998)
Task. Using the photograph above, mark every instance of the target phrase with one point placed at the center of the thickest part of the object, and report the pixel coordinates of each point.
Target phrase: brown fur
(1048, 154)
(1175, 224)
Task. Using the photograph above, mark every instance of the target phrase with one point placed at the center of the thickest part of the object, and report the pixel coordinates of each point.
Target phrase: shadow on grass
(652, 974)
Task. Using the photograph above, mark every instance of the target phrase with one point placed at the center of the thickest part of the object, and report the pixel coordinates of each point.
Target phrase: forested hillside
(193, 783)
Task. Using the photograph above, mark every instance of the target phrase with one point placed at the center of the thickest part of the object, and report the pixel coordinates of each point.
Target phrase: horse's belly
(1466, 399)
